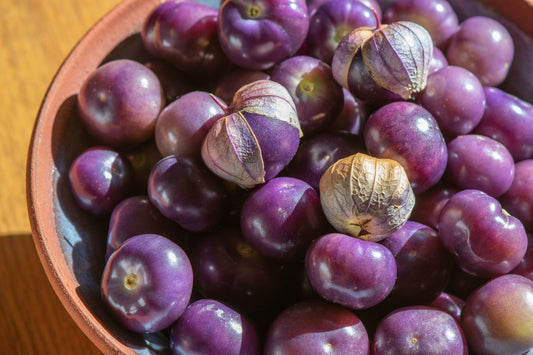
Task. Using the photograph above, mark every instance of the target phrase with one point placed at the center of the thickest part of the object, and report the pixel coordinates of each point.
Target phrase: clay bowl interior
(70, 242)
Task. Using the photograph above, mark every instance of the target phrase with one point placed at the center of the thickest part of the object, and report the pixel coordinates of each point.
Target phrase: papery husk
(231, 148)
(398, 57)
(267, 98)
(346, 50)
(231, 151)
(366, 197)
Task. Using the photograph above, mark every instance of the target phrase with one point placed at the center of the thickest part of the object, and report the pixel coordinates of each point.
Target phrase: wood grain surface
(35, 37)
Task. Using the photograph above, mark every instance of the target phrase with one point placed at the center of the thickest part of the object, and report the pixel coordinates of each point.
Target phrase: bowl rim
(123, 20)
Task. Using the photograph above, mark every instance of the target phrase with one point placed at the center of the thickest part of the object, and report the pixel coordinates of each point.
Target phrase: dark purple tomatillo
(409, 134)
(227, 268)
(137, 215)
(183, 124)
(485, 240)
(184, 33)
(316, 94)
(419, 330)
(119, 103)
(498, 317)
(258, 34)
(349, 271)
(316, 326)
(99, 179)
(331, 21)
(183, 190)
(282, 217)
(210, 327)
(147, 283)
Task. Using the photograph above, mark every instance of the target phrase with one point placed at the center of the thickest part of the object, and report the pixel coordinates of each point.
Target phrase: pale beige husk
(366, 197)
(346, 50)
(398, 57)
(267, 98)
(231, 151)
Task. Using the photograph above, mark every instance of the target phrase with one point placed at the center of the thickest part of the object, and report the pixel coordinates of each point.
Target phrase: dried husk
(366, 197)
(346, 50)
(231, 151)
(398, 57)
(267, 98)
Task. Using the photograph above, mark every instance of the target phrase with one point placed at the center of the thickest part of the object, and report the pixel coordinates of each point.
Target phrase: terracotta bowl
(70, 242)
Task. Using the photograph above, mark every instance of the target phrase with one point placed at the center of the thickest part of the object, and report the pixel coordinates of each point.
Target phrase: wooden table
(36, 36)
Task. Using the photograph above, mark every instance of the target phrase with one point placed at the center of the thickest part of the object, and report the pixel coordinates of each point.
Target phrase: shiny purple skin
(419, 330)
(183, 190)
(331, 21)
(408, 133)
(498, 317)
(317, 153)
(184, 123)
(282, 217)
(312, 5)
(349, 271)
(483, 46)
(525, 267)
(227, 85)
(147, 283)
(136, 215)
(353, 116)
(508, 120)
(479, 162)
(316, 327)
(429, 203)
(278, 141)
(518, 200)
(423, 265)
(450, 304)
(227, 268)
(99, 179)
(184, 33)
(210, 327)
(444, 96)
(148, 32)
(260, 34)
(436, 16)
(438, 61)
(485, 240)
(119, 103)
(316, 94)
